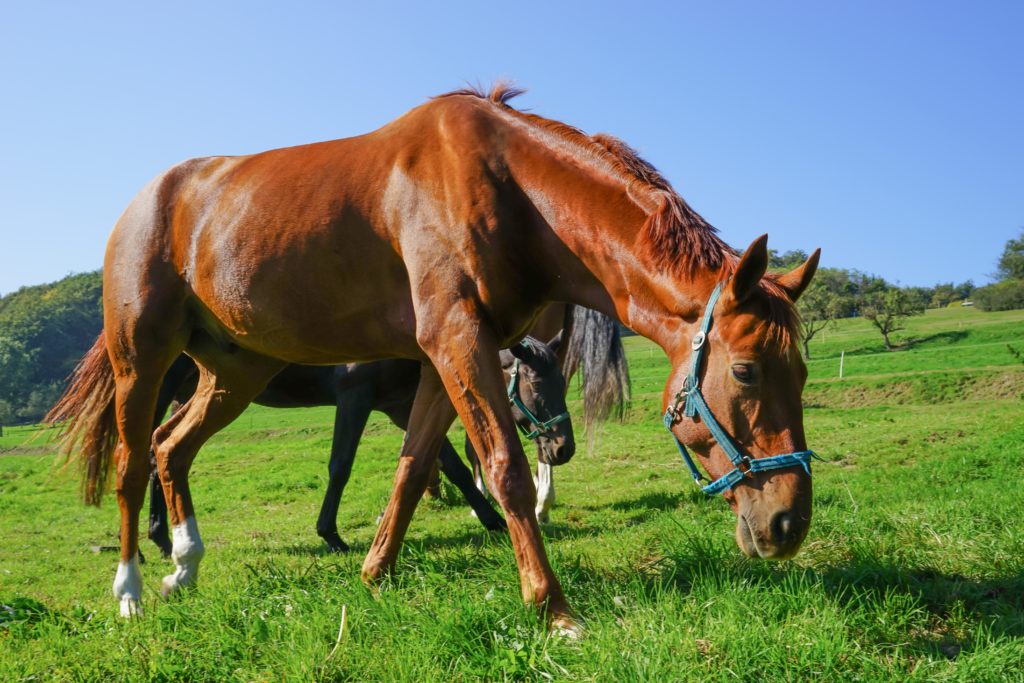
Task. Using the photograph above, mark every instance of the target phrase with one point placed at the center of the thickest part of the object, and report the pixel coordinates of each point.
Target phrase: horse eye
(743, 372)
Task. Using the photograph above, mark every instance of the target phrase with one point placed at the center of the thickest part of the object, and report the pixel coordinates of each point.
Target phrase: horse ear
(750, 269)
(796, 280)
(522, 350)
(556, 341)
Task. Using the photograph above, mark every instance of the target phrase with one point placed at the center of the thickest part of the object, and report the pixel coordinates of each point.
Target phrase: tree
(1011, 263)
(1007, 292)
(964, 290)
(888, 308)
(942, 295)
(1001, 296)
(44, 330)
(786, 261)
(6, 415)
(828, 298)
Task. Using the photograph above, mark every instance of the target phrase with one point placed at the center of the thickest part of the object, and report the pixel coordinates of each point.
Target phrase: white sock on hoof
(186, 552)
(545, 492)
(128, 587)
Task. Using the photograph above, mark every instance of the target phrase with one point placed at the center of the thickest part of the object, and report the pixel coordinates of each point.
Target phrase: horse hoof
(336, 545)
(373, 573)
(130, 607)
(564, 626)
(168, 586)
(174, 583)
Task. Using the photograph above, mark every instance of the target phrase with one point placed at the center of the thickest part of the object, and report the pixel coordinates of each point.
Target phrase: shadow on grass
(658, 501)
(995, 604)
(647, 506)
(998, 602)
(937, 339)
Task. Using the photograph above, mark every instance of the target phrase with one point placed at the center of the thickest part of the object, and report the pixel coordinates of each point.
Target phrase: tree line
(45, 329)
(836, 293)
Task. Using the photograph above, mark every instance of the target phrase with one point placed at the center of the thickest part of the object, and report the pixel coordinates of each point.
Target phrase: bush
(1001, 296)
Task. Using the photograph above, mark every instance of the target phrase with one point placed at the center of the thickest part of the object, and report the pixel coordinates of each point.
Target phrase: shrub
(1001, 296)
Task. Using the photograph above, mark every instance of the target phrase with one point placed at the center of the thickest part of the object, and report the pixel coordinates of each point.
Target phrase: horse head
(536, 391)
(739, 408)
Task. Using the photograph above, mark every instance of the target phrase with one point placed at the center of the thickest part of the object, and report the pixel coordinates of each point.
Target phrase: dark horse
(357, 389)
(440, 237)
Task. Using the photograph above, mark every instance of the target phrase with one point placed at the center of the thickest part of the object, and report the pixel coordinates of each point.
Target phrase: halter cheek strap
(540, 426)
(693, 404)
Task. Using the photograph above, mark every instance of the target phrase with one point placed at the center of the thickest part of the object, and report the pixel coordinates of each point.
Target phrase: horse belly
(310, 301)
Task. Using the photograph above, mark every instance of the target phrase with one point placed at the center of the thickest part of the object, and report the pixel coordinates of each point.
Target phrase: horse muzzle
(556, 449)
(777, 535)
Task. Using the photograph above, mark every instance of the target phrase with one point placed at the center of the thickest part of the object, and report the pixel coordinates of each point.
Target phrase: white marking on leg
(545, 492)
(187, 551)
(128, 587)
(478, 480)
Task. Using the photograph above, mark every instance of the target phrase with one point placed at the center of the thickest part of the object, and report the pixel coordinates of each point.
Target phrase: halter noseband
(540, 426)
(694, 404)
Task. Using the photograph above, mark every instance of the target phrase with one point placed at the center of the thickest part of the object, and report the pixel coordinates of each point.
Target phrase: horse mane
(676, 238)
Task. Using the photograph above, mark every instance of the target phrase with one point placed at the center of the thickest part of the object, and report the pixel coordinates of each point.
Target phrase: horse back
(312, 254)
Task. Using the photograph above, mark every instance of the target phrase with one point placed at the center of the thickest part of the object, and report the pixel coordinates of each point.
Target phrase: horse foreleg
(432, 414)
(350, 416)
(459, 474)
(466, 355)
(545, 484)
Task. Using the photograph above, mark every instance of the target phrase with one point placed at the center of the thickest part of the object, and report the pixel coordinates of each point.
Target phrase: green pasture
(913, 569)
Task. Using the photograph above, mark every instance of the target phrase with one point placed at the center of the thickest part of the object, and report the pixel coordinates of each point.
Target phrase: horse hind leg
(136, 387)
(227, 384)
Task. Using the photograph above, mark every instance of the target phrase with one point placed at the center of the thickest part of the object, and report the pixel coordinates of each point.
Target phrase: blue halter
(540, 426)
(696, 405)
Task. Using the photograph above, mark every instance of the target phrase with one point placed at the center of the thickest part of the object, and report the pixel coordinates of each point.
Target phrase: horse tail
(89, 430)
(595, 349)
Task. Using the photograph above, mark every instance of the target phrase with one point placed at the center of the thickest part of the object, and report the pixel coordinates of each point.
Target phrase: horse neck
(600, 217)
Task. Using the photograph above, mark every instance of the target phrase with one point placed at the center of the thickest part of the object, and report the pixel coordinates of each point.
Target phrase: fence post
(842, 359)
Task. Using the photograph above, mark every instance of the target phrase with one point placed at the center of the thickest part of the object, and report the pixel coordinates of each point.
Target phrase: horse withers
(440, 238)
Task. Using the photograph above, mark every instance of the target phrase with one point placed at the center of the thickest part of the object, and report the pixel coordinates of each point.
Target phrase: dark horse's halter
(540, 426)
(695, 404)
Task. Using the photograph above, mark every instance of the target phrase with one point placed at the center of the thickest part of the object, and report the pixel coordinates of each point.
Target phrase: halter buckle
(698, 340)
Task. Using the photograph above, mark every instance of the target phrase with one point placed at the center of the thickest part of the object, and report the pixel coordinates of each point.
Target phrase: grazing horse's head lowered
(735, 401)
(536, 392)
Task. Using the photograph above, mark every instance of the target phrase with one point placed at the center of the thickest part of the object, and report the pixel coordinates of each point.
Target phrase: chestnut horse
(439, 237)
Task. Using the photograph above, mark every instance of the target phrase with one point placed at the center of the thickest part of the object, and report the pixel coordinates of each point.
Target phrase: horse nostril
(782, 527)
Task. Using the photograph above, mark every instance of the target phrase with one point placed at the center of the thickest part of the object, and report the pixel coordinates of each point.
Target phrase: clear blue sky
(891, 134)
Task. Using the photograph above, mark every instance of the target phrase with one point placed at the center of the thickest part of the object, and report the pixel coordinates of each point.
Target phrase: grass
(913, 569)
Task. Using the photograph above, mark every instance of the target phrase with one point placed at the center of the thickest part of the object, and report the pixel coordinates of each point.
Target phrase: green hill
(44, 331)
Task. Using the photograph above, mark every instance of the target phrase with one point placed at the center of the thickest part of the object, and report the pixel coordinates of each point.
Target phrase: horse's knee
(513, 482)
